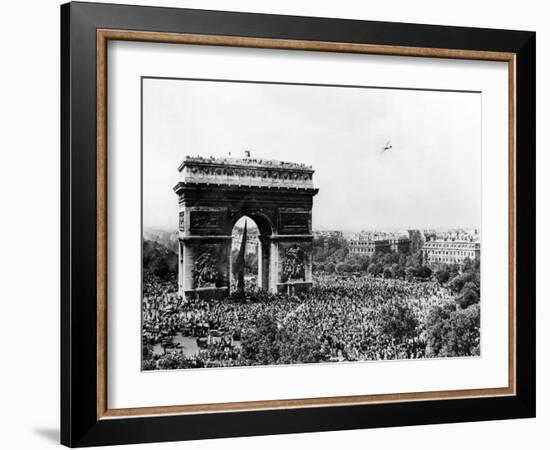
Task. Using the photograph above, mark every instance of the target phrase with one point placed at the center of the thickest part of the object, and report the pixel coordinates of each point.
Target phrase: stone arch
(261, 218)
(215, 193)
(266, 229)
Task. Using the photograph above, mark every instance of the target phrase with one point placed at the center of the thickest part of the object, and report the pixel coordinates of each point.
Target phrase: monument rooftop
(247, 171)
(243, 162)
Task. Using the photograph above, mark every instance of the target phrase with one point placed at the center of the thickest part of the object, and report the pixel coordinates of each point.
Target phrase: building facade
(367, 243)
(400, 245)
(417, 239)
(335, 234)
(450, 251)
(252, 240)
(368, 247)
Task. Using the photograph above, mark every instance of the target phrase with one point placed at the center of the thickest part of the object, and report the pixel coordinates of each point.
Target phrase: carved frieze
(205, 272)
(294, 222)
(207, 220)
(293, 267)
(252, 173)
(246, 172)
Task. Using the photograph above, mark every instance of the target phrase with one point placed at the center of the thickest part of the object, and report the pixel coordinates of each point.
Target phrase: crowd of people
(347, 313)
(344, 313)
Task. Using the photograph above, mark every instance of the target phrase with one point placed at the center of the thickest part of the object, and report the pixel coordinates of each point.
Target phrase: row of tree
(331, 255)
(269, 343)
(159, 260)
(465, 284)
(453, 331)
(448, 331)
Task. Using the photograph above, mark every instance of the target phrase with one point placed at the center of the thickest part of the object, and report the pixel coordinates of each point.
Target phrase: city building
(417, 240)
(367, 245)
(252, 240)
(400, 245)
(429, 234)
(439, 251)
(328, 234)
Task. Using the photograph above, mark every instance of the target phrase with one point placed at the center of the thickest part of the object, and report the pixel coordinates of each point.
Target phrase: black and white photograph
(296, 223)
(276, 225)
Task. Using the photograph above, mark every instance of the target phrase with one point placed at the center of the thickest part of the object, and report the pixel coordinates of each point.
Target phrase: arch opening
(245, 254)
(260, 220)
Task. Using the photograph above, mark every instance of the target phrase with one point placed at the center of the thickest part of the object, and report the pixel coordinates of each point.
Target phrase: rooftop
(242, 162)
(243, 172)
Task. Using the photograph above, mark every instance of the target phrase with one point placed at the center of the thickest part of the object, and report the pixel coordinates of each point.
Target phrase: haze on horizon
(430, 178)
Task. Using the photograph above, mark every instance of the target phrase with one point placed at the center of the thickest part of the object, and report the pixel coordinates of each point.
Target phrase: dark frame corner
(79, 423)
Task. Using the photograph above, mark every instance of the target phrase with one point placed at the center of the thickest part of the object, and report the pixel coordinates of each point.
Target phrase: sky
(430, 178)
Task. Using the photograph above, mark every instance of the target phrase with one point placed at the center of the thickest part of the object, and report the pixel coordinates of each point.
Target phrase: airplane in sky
(386, 147)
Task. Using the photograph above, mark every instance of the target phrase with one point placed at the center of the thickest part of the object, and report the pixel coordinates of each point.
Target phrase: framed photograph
(276, 224)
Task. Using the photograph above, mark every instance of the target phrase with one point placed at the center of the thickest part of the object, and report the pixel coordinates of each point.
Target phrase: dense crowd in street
(342, 311)
(346, 313)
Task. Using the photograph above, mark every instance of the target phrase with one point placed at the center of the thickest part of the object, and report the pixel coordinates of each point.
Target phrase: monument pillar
(180, 266)
(293, 272)
(204, 272)
(273, 266)
(263, 262)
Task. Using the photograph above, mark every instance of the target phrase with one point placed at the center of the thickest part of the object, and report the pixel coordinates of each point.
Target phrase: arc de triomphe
(214, 193)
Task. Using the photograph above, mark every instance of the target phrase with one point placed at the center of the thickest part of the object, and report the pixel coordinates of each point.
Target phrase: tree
(424, 272)
(343, 268)
(458, 282)
(410, 273)
(452, 332)
(147, 360)
(270, 343)
(454, 269)
(299, 347)
(442, 276)
(329, 267)
(414, 260)
(160, 267)
(159, 260)
(259, 345)
(468, 295)
(340, 254)
(177, 360)
(467, 264)
(397, 321)
(375, 269)
(399, 272)
(388, 258)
